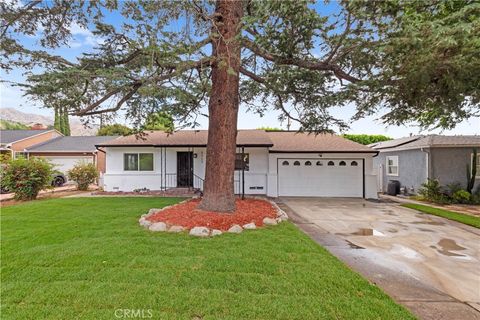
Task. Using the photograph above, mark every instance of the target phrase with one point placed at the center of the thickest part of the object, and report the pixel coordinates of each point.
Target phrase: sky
(83, 40)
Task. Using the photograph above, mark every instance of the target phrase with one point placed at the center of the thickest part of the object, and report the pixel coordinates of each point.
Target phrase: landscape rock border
(201, 231)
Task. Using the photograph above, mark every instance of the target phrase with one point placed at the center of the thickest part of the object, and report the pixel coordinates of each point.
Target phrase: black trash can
(393, 187)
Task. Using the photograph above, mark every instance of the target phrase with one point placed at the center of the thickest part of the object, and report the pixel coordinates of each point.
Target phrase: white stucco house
(283, 163)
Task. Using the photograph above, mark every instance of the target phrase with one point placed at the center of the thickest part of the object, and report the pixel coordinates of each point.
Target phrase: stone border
(204, 231)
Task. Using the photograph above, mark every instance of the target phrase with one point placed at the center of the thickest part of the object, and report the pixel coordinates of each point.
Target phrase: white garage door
(63, 164)
(320, 177)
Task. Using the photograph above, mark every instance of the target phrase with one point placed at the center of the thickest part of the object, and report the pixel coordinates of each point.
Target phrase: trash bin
(393, 187)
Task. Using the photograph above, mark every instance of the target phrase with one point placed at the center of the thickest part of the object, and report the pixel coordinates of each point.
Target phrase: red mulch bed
(187, 215)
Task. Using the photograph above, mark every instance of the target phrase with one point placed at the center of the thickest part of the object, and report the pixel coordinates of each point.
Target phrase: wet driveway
(419, 259)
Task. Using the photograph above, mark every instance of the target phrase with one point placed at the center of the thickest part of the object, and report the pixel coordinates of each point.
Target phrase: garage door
(63, 164)
(320, 177)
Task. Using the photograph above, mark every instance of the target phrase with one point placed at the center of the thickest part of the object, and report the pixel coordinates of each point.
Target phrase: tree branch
(307, 64)
(261, 80)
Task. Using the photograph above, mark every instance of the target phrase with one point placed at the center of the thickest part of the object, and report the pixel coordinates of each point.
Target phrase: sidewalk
(71, 187)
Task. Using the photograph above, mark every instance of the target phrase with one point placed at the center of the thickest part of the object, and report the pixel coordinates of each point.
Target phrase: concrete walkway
(470, 209)
(427, 263)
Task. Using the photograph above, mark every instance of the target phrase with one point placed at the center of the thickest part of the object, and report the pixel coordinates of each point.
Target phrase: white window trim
(477, 176)
(20, 152)
(387, 166)
(138, 162)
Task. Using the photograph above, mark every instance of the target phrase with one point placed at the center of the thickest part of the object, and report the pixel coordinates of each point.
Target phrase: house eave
(322, 151)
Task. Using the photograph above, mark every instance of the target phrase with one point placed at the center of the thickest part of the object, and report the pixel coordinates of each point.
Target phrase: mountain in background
(16, 118)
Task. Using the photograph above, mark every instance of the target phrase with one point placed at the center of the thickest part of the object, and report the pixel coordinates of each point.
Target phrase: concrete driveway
(429, 264)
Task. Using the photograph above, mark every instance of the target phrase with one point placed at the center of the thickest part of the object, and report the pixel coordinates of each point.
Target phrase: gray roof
(9, 136)
(71, 144)
(428, 141)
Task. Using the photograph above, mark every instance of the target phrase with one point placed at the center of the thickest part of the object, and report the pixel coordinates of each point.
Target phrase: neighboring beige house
(63, 152)
(15, 142)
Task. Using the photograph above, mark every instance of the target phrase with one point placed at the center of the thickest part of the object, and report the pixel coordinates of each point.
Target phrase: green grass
(455, 216)
(87, 257)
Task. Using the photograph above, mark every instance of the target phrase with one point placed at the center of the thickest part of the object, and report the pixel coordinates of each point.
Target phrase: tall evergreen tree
(417, 59)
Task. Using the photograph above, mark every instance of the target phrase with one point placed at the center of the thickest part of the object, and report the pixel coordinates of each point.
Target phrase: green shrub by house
(27, 177)
(83, 174)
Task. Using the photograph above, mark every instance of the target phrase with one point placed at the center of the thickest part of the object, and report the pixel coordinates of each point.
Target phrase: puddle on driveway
(353, 245)
(364, 232)
(448, 245)
(430, 222)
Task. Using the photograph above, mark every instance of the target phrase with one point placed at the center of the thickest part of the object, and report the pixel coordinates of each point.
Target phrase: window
(319, 163)
(354, 164)
(392, 166)
(20, 155)
(285, 163)
(331, 163)
(138, 161)
(242, 163)
(308, 163)
(478, 166)
(296, 163)
(342, 164)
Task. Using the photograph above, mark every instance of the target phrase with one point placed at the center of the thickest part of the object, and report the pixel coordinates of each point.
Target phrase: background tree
(296, 57)
(61, 122)
(114, 130)
(159, 121)
(366, 138)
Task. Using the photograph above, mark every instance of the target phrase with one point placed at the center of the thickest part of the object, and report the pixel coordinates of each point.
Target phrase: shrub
(461, 196)
(27, 177)
(453, 187)
(83, 174)
(430, 189)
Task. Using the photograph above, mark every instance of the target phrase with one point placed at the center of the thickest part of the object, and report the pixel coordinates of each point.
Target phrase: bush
(461, 196)
(27, 177)
(430, 189)
(83, 174)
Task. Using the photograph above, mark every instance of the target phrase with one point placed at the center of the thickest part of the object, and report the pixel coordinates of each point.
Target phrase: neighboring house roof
(70, 144)
(10, 136)
(428, 141)
(291, 141)
(190, 138)
(283, 141)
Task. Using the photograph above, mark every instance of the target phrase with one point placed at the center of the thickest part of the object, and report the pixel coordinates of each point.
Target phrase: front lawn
(455, 216)
(88, 258)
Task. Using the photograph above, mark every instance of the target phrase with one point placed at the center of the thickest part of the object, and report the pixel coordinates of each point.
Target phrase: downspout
(427, 162)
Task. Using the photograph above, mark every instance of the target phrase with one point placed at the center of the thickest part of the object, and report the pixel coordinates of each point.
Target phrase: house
(269, 163)
(415, 159)
(14, 142)
(65, 152)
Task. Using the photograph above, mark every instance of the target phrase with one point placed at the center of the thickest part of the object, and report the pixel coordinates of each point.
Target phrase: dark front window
(242, 163)
(138, 161)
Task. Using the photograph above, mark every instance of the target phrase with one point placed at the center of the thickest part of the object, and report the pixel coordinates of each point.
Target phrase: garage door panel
(63, 164)
(321, 181)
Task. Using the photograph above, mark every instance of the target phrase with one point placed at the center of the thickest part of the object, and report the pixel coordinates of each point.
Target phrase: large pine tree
(419, 60)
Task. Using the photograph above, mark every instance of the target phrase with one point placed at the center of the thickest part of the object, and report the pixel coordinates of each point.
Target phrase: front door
(184, 169)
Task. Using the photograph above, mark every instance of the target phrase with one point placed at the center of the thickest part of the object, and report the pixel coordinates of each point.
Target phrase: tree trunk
(223, 109)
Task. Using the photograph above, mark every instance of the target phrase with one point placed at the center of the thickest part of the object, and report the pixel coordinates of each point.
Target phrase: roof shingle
(194, 138)
(290, 141)
(9, 136)
(283, 141)
(429, 141)
(70, 144)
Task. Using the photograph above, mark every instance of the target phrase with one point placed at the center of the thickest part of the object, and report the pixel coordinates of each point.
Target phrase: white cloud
(76, 29)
